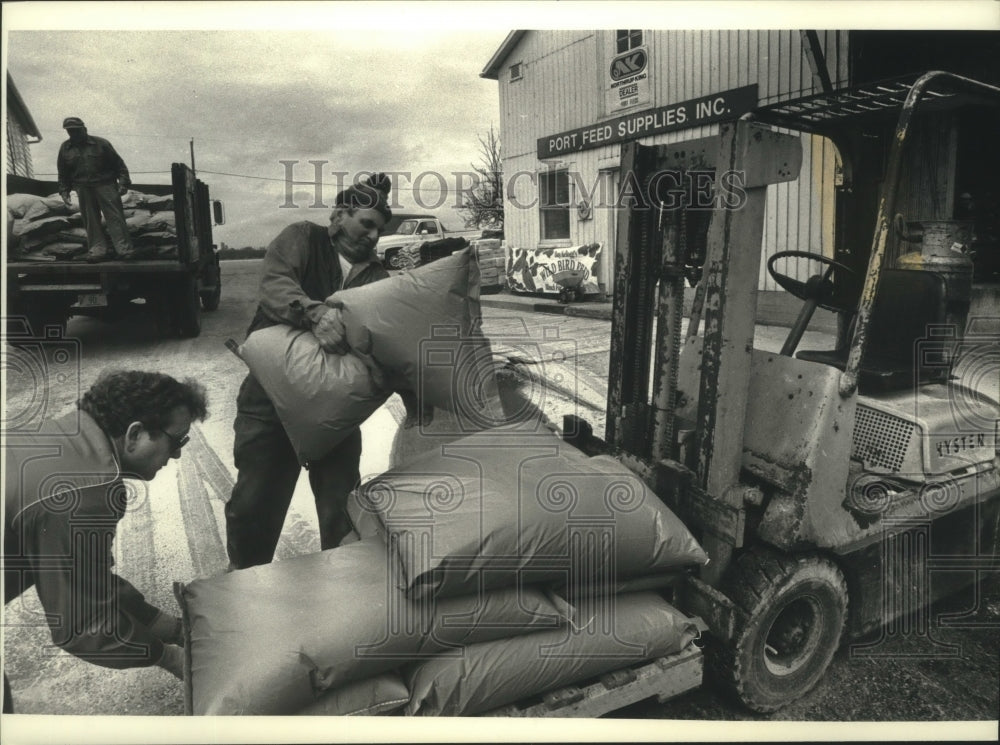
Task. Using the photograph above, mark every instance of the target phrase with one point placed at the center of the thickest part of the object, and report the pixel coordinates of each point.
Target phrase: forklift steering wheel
(818, 288)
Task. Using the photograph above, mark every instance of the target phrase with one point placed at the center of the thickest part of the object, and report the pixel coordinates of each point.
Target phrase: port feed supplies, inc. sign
(716, 107)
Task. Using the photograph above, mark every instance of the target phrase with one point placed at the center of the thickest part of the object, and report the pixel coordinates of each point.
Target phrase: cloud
(360, 99)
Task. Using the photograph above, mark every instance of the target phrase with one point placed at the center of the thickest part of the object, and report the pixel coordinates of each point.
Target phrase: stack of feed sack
(40, 228)
(503, 508)
(476, 577)
(47, 229)
(407, 256)
(492, 262)
(329, 633)
(154, 234)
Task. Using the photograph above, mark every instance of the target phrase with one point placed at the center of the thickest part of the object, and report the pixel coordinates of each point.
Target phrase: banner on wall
(551, 269)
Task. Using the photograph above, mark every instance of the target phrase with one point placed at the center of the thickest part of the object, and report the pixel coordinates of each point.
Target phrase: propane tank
(943, 249)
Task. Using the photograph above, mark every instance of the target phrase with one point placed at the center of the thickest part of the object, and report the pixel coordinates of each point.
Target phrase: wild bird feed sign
(551, 269)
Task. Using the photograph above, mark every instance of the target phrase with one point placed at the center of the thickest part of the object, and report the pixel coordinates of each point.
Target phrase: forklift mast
(669, 232)
(695, 211)
(768, 457)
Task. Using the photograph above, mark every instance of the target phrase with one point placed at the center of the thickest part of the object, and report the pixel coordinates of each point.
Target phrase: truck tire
(392, 259)
(47, 320)
(212, 276)
(793, 614)
(210, 298)
(186, 310)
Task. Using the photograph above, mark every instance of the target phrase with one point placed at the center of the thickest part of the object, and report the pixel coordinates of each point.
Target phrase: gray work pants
(103, 199)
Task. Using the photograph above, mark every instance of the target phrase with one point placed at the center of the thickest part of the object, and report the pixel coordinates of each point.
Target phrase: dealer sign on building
(628, 80)
(716, 107)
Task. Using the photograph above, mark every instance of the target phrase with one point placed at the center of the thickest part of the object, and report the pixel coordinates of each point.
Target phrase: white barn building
(568, 99)
(21, 132)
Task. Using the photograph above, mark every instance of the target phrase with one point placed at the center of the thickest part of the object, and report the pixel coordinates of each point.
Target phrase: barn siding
(562, 89)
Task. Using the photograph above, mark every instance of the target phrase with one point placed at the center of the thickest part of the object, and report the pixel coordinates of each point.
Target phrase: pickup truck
(398, 218)
(176, 285)
(413, 231)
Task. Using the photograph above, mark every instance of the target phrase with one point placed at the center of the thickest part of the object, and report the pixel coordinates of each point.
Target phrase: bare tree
(483, 204)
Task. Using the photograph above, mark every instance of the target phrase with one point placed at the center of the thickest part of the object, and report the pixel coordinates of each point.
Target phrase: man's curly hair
(120, 397)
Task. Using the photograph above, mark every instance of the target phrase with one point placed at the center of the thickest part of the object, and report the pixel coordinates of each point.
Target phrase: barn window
(626, 39)
(554, 204)
(516, 72)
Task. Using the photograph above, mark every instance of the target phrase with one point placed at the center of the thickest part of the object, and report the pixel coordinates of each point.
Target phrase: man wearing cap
(92, 167)
(303, 266)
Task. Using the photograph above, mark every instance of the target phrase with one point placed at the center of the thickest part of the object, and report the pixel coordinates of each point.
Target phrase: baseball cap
(73, 122)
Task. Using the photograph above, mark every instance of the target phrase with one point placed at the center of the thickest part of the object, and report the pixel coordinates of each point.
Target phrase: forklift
(838, 492)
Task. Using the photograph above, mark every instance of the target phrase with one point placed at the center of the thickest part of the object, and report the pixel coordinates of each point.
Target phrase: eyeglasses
(176, 443)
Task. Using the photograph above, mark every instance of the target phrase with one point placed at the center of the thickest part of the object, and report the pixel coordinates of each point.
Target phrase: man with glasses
(64, 496)
(176, 443)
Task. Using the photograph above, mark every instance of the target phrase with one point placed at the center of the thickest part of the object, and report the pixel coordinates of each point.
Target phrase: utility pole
(192, 156)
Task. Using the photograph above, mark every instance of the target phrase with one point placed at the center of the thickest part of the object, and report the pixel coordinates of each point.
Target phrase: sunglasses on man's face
(176, 443)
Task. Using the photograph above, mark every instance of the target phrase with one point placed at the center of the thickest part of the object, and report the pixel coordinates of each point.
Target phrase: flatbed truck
(43, 294)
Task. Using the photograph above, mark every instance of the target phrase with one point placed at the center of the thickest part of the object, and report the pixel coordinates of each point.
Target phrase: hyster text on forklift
(826, 485)
(45, 294)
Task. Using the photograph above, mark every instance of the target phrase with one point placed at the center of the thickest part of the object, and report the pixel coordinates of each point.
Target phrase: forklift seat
(907, 304)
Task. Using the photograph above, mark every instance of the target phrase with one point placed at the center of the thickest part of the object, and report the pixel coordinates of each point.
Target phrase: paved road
(175, 529)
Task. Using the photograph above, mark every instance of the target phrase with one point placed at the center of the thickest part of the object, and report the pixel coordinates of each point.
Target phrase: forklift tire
(793, 614)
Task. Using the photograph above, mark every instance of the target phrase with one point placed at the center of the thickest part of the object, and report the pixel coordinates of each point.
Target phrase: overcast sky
(364, 86)
(397, 100)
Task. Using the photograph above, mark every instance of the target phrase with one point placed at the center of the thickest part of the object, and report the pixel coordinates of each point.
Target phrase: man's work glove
(167, 629)
(329, 329)
(123, 188)
(65, 198)
(172, 661)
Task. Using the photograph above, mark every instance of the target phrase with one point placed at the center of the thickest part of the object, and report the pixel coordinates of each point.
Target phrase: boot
(93, 256)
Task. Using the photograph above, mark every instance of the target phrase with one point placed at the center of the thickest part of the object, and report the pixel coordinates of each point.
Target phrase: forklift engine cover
(944, 430)
(944, 438)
